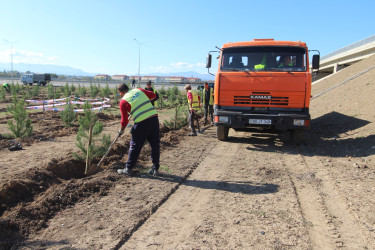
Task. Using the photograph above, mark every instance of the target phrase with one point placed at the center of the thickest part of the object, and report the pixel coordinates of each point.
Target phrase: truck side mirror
(208, 61)
(315, 61)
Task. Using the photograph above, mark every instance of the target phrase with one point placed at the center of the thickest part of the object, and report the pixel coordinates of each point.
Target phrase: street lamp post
(11, 57)
(139, 60)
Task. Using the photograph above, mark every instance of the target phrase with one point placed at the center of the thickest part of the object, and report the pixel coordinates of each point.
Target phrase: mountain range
(66, 70)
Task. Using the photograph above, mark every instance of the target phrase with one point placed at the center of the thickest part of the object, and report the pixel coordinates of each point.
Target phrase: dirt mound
(28, 201)
(31, 198)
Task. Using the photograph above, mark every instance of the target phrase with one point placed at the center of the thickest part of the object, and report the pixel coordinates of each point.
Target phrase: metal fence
(367, 40)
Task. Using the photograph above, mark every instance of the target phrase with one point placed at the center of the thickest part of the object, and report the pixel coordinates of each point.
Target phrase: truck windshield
(270, 58)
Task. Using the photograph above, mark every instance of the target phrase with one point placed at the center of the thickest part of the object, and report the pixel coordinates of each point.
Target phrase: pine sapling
(35, 91)
(68, 116)
(20, 125)
(179, 118)
(88, 137)
(51, 91)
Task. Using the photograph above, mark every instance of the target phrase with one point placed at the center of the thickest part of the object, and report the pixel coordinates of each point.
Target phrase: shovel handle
(110, 146)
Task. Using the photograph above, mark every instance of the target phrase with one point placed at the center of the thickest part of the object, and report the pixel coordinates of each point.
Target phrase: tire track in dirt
(330, 223)
(197, 202)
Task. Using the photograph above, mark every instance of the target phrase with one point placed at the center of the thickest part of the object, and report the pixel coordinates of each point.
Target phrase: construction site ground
(254, 191)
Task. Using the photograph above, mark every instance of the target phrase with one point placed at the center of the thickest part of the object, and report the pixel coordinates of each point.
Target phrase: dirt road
(240, 196)
(254, 191)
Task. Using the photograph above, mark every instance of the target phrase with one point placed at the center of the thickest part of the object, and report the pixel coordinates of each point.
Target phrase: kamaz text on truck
(263, 83)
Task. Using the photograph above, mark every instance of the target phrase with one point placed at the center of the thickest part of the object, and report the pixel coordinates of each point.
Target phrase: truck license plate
(260, 121)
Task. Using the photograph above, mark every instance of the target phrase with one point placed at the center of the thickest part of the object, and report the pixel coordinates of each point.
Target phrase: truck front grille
(275, 100)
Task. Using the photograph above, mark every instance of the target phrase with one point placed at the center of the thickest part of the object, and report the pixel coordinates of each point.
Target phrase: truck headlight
(297, 122)
(224, 119)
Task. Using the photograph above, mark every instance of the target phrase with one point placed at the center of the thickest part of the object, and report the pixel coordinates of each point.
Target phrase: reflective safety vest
(259, 66)
(5, 84)
(195, 104)
(262, 65)
(282, 65)
(141, 107)
(153, 102)
(211, 101)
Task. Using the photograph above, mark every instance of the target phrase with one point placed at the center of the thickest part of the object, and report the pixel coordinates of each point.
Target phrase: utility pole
(11, 57)
(139, 60)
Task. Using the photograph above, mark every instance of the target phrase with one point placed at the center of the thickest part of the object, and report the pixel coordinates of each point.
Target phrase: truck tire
(24, 83)
(43, 83)
(222, 133)
(30, 83)
(296, 136)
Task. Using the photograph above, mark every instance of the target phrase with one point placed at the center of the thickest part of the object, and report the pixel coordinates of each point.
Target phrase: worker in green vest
(262, 64)
(137, 102)
(6, 87)
(208, 102)
(149, 88)
(286, 63)
(194, 104)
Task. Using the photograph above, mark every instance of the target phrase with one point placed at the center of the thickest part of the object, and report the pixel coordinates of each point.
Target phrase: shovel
(109, 149)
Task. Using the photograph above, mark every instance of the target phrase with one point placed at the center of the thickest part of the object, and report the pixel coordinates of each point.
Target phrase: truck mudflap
(279, 121)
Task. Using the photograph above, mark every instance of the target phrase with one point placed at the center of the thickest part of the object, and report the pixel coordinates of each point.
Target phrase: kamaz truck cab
(263, 83)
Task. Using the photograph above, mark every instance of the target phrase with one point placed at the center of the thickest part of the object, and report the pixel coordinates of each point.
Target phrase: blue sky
(98, 36)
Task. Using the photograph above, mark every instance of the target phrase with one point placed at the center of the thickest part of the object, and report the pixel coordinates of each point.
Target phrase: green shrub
(57, 95)
(67, 91)
(72, 88)
(82, 91)
(94, 91)
(106, 91)
(68, 116)
(50, 91)
(20, 125)
(35, 91)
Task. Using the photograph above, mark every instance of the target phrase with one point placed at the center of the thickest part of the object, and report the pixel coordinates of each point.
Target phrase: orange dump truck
(263, 83)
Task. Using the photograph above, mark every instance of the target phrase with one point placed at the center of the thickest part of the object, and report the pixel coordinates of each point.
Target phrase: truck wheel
(296, 136)
(24, 83)
(43, 83)
(30, 83)
(222, 133)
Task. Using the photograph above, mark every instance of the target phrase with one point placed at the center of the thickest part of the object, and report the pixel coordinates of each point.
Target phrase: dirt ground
(254, 191)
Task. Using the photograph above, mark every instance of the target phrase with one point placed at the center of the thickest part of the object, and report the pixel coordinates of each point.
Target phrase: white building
(120, 77)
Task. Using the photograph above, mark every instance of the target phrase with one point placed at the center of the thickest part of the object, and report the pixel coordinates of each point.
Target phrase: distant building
(120, 77)
(150, 78)
(166, 79)
(175, 79)
(102, 77)
(193, 79)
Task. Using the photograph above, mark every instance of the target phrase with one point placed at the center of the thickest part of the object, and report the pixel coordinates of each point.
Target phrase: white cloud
(184, 65)
(23, 56)
(160, 69)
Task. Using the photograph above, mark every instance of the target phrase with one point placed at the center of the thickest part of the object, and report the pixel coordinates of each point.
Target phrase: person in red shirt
(137, 102)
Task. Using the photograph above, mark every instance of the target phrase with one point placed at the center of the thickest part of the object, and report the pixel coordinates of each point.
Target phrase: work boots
(127, 171)
(154, 172)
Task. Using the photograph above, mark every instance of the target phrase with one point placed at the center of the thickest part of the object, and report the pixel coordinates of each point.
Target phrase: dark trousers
(208, 109)
(142, 131)
(193, 116)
